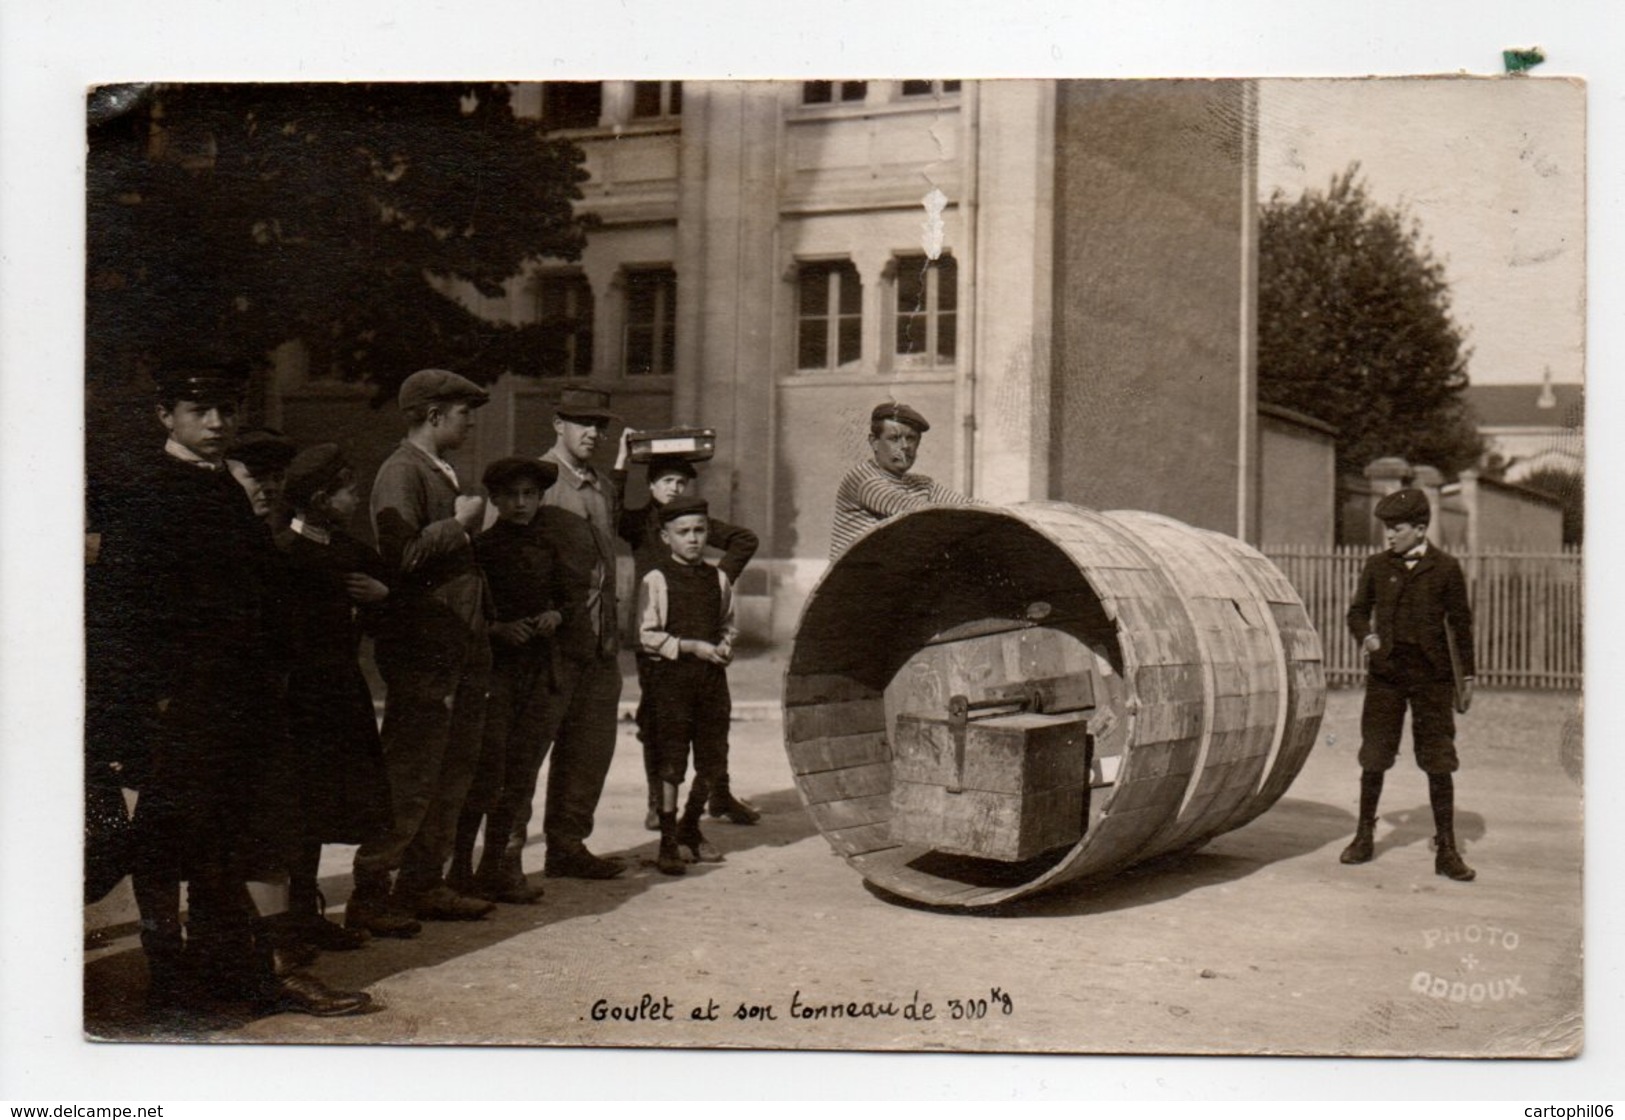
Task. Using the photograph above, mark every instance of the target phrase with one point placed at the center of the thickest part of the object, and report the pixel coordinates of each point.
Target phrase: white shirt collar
(187, 455)
(310, 532)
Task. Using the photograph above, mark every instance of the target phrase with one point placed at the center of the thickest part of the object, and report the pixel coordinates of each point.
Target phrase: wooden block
(1021, 753)
(986, 824)
(861, 839)
(824, 688)
(832, 815)
(814, 755)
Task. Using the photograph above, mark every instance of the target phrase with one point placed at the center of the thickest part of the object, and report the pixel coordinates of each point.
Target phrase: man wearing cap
(434, 656)
(202, 663)
(578, 513)
(1410, 606)
(881, 486)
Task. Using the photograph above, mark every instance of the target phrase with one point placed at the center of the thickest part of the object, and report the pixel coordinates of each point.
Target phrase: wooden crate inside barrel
(1182, 656)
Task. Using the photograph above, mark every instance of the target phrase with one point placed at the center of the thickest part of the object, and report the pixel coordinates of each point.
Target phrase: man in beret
(434, 656)
(881, 486)
(200, 662)
(579, 514)
(1410, 606)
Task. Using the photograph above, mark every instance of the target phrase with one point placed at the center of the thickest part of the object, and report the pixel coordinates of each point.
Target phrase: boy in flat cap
(881, 486)
(669, 477)
(528, 601)
(578, 514)
(335, 588)
(1410, 607)
(434, 655)
(201, 659)
(686, 633)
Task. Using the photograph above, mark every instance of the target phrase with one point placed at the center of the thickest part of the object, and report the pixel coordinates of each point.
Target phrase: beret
(505, 472)
(429, 385)
(582, 402)
(1409, 504)
(682, 506)
(902, 413)
(315, 469)
(662, 465)
(264, 449)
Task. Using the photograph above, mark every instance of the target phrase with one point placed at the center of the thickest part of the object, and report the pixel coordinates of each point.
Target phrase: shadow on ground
(116, 983)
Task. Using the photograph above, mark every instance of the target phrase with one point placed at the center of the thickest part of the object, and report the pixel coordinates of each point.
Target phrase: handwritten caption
(652, 1008)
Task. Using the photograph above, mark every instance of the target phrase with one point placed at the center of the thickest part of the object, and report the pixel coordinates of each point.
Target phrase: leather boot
(460, 873)
(725, 804)
(651, 819)
(670, 859)
(372, 908)
(288, 989)
(1448, 862)
(506, 881)
(691, 842)
(1363, 845)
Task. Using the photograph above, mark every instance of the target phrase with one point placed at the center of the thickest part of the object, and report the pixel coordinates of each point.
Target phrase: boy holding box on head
(669, 478)
(521, 565)
(686, 635)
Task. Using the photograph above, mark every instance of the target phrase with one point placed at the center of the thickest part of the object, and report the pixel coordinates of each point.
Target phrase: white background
(49, 51)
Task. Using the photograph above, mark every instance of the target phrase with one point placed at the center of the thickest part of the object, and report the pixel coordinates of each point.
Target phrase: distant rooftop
(1519, 406)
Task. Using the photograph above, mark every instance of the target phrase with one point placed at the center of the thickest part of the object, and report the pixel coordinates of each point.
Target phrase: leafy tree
(240, 217)
(1570, 488)
(1355, 328)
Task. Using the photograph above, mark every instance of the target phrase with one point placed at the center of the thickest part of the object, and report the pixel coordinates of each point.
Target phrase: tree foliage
(240, 217)
(1568, 487)
(1355, 328)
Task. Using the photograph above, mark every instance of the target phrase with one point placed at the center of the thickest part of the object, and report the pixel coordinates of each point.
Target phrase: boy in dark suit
(686, 634)
(1408, 595)
(528, 596)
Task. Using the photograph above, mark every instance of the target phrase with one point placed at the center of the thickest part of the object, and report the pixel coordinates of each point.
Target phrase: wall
(1154, 217)
(1513, 518)
(1297, 468)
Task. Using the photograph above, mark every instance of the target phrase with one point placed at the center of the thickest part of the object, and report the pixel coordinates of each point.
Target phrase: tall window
(921, 87)
(825, 93)
(829, 314)
(651, 322)
(571, 104)
(564, 312)
(657, 99)
(927, 311)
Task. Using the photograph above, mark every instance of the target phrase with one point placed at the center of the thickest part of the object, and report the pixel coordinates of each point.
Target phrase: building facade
(1059, 275)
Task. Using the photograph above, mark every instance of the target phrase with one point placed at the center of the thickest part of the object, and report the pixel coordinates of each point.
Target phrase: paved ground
(1261, 942)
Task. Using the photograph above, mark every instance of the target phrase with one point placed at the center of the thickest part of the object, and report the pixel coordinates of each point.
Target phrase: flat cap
(503, 473)
(682, 506)
(264, 449)
(1409, 504)
(322, 467)
(902, 413)
(202, 378)
(429, 385)
(582, 402)
(662, 465)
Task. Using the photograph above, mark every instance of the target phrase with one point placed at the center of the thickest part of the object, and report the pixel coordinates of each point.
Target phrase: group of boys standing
(227, 606)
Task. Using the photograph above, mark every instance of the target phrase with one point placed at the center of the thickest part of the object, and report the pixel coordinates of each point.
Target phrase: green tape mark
(1517, 61)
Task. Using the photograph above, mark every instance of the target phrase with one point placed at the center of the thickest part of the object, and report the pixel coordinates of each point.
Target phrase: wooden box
(694, 444)
(1021, 789)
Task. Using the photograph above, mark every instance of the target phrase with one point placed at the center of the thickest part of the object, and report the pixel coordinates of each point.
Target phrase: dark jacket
(334, 762)
(640, 528)
(521, 564)
(190, 577)
(1400, 604)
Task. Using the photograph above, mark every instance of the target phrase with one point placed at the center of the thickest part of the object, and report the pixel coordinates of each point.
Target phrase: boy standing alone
(686, 635)
(1417, 596)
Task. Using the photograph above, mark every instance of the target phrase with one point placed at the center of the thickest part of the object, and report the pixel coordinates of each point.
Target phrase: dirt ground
(1259, 943)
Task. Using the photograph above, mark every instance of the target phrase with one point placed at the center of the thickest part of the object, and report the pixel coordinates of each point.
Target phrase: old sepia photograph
(1022, 565)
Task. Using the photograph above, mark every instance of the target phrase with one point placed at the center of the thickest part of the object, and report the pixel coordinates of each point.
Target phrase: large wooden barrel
(986, 702)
